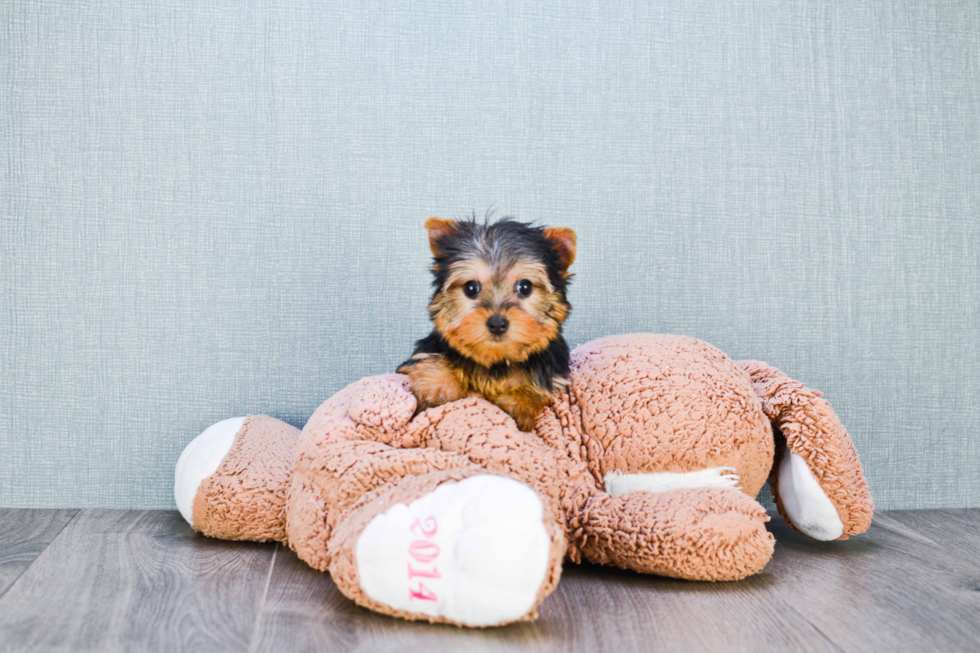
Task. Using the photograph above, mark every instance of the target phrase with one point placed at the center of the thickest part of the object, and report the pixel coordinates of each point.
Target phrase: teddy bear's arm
(692, 533)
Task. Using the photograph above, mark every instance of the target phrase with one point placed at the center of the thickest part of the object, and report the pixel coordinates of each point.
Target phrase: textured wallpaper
(215, 208)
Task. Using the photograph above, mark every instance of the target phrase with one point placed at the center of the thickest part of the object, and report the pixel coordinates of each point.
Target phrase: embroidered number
(424, 573)
(422, 593)
(428, 529)
(423, 551)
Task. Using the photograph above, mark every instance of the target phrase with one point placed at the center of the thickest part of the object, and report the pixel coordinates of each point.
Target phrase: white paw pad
(805, 503)
(475, 551)
(721, 477)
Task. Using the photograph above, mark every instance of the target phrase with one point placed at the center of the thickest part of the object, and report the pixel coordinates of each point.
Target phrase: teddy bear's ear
(563, 240)
(438, 230)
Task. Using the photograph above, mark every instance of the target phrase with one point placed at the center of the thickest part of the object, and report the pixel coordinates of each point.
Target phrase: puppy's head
(500, 287)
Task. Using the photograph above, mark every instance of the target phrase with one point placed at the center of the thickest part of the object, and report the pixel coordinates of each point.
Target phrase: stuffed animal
(649, 460)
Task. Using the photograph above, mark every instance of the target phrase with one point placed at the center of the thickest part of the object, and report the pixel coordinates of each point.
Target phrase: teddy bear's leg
(364, 440)
(456, 546)
(696, 533)
(335, 477)
(817, 479)
(231, 480)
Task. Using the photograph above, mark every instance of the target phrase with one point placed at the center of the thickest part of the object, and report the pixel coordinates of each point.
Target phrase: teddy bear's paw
(722, 477)
(200, 459)
(474, 552)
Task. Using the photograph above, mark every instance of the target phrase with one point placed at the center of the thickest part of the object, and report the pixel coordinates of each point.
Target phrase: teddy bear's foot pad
(475, 552)
(200, 459)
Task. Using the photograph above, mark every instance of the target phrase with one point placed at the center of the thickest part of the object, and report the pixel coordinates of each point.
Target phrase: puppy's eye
(471, 289)
(524, 287)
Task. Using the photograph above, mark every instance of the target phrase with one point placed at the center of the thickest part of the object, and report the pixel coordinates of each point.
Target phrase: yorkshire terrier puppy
(498, 309)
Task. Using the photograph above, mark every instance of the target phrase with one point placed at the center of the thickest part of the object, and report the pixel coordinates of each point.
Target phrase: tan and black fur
(498, 308)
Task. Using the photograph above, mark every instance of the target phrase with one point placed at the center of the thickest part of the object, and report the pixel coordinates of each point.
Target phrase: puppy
(498, 308)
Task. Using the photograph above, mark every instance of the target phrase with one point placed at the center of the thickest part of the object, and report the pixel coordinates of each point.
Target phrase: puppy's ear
(563, 241)
(438, 229)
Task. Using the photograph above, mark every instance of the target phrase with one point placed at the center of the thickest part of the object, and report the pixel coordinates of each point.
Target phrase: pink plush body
(616, 460)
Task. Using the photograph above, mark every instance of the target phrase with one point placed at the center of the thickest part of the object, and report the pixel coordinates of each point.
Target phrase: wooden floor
(142, 581)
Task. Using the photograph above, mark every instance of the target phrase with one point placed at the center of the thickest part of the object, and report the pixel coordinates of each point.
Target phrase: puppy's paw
(433, 382)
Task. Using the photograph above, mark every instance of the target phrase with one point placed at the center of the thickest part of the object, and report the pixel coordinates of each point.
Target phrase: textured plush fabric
(639, 404)
(245, 498)
(212, 208)
(648, 401)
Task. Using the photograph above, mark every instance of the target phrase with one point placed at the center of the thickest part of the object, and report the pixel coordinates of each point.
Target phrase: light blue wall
(210, 208)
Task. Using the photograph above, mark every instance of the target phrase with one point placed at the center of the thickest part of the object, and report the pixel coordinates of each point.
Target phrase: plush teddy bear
(650, 460)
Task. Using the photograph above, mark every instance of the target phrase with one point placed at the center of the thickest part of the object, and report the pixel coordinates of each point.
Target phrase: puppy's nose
(497, 324)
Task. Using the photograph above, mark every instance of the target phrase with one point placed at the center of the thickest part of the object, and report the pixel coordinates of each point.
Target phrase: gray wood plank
(890, 589)
(304, 611)
(594, 608)
(136, 581)
(620, 610)
(24, 534)
(955, 530)
(114, 580)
